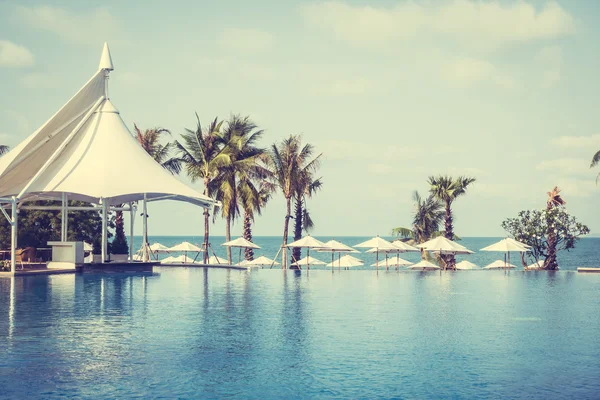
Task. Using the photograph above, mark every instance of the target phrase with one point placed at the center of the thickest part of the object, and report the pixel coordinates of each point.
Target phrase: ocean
(585, 254)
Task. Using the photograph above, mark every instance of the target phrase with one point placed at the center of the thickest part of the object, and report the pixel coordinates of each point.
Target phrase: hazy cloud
(38, 80)
(466, 72)
(93, 26)
(246, 40)
(565, 166)
(14, 55)
(578, 142)
(482, 24)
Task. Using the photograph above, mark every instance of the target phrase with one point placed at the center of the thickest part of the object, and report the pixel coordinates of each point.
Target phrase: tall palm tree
(3, 149)
(428, 217)
(203, 155)
(595, 161)
(240, 137)
(288, 161)
(253, 201)
(447, 189)
(305, 188)
(149, 139)
(554, 200)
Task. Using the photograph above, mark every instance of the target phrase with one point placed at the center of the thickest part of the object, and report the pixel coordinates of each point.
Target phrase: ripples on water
(197, 333)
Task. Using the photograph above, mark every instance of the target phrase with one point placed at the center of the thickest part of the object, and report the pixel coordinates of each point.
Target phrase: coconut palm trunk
(286, 224)
(449, 259)
(206, 224)
(298, 212)
(228, 236)
(247, 233)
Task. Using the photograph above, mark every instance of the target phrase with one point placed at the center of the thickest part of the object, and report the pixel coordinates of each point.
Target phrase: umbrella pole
(377, 260)
(240, 256)
(387, 268)
(339, 261)
(307, 258)
(332, 265)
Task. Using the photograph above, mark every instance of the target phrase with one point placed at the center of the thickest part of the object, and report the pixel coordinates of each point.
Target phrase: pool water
(198, 333)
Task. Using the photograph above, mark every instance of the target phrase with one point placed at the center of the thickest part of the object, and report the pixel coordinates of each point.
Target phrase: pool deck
(589, 270)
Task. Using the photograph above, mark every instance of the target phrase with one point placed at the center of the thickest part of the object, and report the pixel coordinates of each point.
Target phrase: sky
(390, 92)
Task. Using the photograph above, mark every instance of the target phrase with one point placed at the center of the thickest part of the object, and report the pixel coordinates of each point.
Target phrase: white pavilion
(86, 152)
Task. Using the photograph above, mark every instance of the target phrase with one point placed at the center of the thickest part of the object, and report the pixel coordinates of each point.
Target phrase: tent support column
(145, 229)
(13, 237)
(131, 225)
(64, 218)
(104, 231)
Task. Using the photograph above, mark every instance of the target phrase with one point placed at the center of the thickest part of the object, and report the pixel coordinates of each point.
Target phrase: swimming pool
(198, 333)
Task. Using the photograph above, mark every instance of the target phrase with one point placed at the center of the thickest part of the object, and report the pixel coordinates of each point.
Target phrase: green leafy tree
(534, 228)
(203, 155)
(3, 149)
(288, 162)
(447, 189)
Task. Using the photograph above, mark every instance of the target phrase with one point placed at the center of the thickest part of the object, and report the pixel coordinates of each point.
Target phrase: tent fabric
(101, 161)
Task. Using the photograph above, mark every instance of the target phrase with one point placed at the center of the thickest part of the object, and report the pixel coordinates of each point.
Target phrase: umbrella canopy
(466, 265)
(397, 262)
(423, 265)
(506, 245)
(307, 242)
(262, 260)
(182, 259)
(499, 264)
(158, 248)
(185, 246)
(404, 246)
(334, 246)
(445, 246)
(241, 242)
(169, 260)
(217, 260)
(536, 265)
(346, 261)
(377, 243)
(87, 247)
(308, 260)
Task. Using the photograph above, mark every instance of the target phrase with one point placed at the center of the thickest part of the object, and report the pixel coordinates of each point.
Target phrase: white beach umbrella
(185, 247)
(506, 246)
(442, 245)
(347, 261)
(499, 264)
(214, 260)
(405, 247)
(423, 265)
(535, 266)
(308, 242)
(87, 246)
(464, 265)
(333, 246)
(308, 260)
(158, 248)
(242, 243)
(397, 262)
(378, 244)
(262, 261)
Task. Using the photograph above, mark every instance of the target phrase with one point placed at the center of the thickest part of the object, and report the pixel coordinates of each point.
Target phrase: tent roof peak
(105, 59)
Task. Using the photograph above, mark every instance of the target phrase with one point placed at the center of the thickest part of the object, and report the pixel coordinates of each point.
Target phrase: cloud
(14, 55)
(578, 142)
(246, 40)
(347, 150)
(93, 26)
(487, 24)
(379, 169)
(38, 80)
(343, 87)
(566, 166)
(467, 72)
(550, 60)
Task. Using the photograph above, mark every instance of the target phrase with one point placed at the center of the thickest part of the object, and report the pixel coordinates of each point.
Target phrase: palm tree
(150, 141)
(595, 161)
(203, 154)
(305, 188)
(240, 137)
(554, 200)
(446, 189)
(3, 149)
(253, 201)
(288, 161)
(429, 215)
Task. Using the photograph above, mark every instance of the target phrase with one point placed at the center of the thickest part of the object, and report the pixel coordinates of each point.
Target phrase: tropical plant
(203, 155)
(595, 161)
(288, 161)
(3, 149)
(554, 200)
(253, 202)
(305, 187)
(240, 137)
(149, 139)
(533, 228)
(447, 189)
